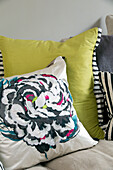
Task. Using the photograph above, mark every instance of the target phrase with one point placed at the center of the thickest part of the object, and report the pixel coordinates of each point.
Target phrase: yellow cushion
(23, 56)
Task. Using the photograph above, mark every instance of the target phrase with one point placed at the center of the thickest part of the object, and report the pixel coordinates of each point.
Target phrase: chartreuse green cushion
(23, 56)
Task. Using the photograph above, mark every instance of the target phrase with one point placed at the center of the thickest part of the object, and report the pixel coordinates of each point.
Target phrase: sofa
(56, 113)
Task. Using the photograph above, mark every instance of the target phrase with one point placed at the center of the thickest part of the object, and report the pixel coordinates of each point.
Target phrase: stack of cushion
(24, 56)
(61, 135)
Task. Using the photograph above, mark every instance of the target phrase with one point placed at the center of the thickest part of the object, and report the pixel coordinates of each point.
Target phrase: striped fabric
(106, 81)
(1, 166)
(1, 65)
(101, 108)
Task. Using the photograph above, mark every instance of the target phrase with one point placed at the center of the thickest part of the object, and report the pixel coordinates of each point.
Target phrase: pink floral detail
(19, 80)
(70, 131)
(25, 108)
(41, 83)
(67, 99)
(70, 114)
(47, 75)
(43, 138)
(29, 96)
(46, 97)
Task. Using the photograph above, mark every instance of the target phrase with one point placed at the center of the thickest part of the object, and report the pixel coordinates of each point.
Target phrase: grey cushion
(104, 53)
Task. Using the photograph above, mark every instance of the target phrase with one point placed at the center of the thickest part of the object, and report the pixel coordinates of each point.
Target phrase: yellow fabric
(23, 56)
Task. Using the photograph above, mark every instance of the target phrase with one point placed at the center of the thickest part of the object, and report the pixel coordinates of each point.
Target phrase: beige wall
(50, 19)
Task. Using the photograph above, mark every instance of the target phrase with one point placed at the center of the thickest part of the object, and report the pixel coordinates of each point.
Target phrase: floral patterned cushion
(37, 119)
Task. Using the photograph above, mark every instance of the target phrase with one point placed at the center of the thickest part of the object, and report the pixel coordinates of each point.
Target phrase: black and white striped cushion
(101, 108)
(1, 166)
(106, 82)
(1, 65)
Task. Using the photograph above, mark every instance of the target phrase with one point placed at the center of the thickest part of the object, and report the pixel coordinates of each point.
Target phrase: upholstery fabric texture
(97, 157)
